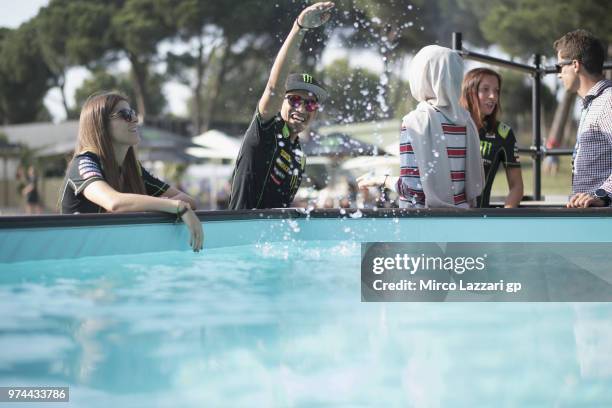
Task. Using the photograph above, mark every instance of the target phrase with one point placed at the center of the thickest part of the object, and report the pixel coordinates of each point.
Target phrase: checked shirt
(592, 160)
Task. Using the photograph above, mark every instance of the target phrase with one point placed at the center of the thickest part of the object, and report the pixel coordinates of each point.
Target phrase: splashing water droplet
(356, 214)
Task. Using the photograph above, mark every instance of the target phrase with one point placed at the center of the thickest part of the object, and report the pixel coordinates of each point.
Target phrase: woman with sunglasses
(105, 176)
(480, 95)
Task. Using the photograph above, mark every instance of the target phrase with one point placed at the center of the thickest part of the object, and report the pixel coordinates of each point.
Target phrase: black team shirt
(86, 168)
(269, 166)
(495, 148)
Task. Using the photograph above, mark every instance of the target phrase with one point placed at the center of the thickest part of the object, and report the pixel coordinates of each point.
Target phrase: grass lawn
(558, 185)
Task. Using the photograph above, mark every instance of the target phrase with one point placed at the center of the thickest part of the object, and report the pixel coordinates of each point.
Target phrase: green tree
(230, 63)
(394, 29)
(195, 27)
(138, 26)
(516, 107)
(526, 27)
(24, 76)
(352, 93)
(71, 32)
(102, 80)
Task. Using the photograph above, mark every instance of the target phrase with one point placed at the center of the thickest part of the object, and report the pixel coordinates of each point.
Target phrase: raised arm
(272, 98)
(101, 193)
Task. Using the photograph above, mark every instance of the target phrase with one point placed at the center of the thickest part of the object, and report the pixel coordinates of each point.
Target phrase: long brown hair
(94, 136)
(469, 97)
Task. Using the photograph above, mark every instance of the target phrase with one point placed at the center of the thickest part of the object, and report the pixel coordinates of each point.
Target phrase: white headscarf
(435, 78)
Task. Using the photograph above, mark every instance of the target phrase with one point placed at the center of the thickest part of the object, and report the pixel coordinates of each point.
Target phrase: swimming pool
(270, 314)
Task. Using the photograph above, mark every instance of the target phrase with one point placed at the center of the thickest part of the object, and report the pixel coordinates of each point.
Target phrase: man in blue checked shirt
(580, 58)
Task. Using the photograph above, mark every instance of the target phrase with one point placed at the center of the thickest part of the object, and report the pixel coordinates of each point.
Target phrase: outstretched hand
(370, 180)
(315, 15)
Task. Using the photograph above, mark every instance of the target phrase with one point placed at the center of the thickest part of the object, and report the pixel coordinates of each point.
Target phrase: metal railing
(536, 151)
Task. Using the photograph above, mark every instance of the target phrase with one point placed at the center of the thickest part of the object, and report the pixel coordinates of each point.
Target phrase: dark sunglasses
(129, 115)
(296, 101)
(559, 65)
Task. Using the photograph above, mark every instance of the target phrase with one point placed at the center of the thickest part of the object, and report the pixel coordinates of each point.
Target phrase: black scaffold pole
(458, 46)
(537, 71)
(537, 136)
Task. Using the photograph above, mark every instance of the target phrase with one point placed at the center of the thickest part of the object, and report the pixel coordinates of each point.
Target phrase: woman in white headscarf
(439, 145)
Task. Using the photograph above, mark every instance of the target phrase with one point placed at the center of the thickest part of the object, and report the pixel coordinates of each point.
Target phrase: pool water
(283, 325)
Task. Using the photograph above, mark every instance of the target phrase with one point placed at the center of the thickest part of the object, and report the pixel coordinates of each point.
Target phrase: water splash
(356, 214)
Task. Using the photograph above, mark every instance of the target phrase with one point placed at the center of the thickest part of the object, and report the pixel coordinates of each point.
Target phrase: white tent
(215, 145)
(205, 153)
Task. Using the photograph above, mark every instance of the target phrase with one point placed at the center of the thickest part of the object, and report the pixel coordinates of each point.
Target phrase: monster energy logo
(307, 78)
(485, 147)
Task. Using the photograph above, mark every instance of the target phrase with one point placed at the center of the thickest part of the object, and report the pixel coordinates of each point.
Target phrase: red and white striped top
(409, 186)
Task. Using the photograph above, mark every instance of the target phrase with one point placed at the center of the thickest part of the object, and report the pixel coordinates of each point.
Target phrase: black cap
(305, 82)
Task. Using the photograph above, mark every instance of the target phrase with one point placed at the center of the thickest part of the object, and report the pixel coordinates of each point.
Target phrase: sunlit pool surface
(283, 325)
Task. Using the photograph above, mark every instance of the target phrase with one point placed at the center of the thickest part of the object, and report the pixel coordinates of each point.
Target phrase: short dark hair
(583, 46)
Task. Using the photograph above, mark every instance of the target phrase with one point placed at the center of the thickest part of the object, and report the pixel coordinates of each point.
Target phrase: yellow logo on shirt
(503, 130)
(285, 155)
(282, 165)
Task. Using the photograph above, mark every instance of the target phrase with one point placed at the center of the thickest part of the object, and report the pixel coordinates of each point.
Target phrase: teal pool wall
(57, 237)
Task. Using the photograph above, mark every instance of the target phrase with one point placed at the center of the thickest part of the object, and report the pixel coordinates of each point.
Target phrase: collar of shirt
(595, 91)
